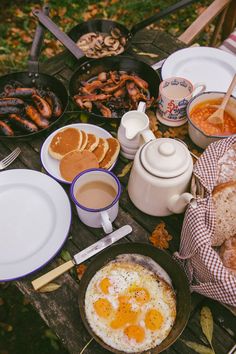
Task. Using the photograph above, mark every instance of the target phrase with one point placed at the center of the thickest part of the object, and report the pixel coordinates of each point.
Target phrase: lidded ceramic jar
(160, 177)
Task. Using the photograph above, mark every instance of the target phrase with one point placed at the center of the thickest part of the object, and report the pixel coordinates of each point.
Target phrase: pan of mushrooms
(100, 38)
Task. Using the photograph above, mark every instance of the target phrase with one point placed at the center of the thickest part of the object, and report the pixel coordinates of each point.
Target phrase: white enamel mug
(94, 217)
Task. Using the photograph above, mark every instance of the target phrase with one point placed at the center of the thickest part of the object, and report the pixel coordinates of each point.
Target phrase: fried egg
(129, 305)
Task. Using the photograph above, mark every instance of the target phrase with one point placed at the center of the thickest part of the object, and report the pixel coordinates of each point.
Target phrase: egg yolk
(104, 285)
(153, 319)
(135, 332)
(103, 308)
(141, 295)
(124, 314)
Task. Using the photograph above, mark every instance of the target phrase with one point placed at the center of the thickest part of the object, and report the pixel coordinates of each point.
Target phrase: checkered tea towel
(203, 266)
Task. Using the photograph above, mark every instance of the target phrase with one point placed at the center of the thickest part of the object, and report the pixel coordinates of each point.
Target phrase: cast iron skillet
(33, 78)
(105, 26)
(176, 273)
(92, 68)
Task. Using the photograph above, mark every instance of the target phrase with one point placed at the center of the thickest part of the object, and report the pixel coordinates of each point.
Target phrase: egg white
(123, 276)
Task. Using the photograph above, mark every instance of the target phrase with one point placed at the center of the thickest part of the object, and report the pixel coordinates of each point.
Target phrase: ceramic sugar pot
(160, 177)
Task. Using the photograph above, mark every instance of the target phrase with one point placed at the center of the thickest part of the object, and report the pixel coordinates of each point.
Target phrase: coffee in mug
(96, 194)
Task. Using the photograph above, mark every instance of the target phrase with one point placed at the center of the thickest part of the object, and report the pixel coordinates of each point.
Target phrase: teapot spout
(178, 203)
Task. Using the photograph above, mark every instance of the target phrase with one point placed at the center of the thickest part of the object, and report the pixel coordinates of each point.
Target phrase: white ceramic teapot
(160, 177)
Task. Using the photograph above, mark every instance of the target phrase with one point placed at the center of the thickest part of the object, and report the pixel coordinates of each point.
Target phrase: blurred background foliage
(17, 24)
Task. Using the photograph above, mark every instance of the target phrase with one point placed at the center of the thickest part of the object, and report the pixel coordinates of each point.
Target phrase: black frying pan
(92, 68)
(33, 78)
(105, 26)
(176, 273)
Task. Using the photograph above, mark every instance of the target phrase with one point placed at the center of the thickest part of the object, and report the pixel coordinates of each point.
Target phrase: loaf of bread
(228, 254)
(226, 168)
(224, 200)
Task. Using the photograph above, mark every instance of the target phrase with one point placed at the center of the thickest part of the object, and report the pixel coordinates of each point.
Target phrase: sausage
(9, 109)
(22, 92)
(23, 123)
(55, 102)
(42, 106)
(36, 117)
(5, 102)
(6, 129)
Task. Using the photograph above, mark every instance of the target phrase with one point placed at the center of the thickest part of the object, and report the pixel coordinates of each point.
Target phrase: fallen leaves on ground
(125, 170)
(160, 237)
(80, 270)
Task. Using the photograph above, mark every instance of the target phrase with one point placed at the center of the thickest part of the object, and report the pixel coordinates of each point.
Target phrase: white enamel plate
(51, 165)
(35, 218)
(211, 66)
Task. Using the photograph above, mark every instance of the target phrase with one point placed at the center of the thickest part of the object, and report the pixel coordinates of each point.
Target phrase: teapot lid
(165, 157)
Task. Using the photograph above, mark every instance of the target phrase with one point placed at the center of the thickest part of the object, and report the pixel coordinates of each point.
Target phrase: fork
(10, 158)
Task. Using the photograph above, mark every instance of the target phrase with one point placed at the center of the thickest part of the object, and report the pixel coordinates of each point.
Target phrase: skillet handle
(160, 15)
(33, 65)
(61, 36)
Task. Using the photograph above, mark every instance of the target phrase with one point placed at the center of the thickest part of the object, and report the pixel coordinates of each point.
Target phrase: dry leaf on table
(80, 270)
(206, 321)
(49, 288)
(199, 348)
(177, 132)
(126, 169)
(160, 237)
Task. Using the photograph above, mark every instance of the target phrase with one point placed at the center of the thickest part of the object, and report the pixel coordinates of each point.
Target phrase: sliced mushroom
(116, 33)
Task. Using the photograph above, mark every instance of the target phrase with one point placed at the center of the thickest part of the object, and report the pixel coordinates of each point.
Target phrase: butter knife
(82, 256)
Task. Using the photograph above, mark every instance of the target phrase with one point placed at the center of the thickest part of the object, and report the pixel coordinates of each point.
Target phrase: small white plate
(214, 67)
(35, 220)
(51, 165)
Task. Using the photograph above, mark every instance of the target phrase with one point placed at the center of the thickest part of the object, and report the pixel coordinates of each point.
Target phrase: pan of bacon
(109, 87)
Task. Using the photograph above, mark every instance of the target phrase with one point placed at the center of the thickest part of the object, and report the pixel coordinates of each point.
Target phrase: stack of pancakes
(78, 150)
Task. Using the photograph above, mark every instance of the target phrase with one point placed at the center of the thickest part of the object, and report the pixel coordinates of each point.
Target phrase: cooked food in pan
(203, 110)
(113, 93)
(27, 109)
(130, 303)
(98, 45)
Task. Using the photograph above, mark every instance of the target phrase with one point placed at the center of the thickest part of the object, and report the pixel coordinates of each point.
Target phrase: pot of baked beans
(201, 131)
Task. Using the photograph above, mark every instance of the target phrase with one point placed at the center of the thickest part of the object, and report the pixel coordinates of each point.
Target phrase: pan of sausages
(27, 110)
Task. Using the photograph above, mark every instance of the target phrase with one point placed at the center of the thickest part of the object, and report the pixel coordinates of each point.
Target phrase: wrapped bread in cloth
(209, 225)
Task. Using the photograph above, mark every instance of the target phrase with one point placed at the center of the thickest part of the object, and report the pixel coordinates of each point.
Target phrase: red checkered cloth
(229, 44)
(202, 264)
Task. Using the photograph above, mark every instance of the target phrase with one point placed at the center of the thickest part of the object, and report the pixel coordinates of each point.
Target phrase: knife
(82, 256)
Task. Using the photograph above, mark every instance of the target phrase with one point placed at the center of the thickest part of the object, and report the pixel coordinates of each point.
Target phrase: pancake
(75, 162)
(84, 140)
(101, 149)
(112, 153)
(92, 142)
(64, 141)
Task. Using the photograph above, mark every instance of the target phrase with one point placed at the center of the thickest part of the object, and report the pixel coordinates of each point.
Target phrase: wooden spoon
(218, 116)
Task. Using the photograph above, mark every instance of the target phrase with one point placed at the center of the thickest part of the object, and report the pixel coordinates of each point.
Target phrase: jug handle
(147, 135)
(141, 107)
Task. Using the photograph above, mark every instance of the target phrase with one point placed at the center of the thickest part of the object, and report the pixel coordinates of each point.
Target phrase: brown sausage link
(23, 124)
(42, 106)
(22, 92)
(56, 103)
(6, 129)
(5, 102)
(9, 109)
(36, 117)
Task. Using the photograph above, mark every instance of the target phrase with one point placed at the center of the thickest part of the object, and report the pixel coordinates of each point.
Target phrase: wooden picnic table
(59, 308)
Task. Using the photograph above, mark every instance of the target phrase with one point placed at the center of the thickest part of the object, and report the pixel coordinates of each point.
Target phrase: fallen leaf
(160, 237)
(65, 255)
(49, 288)
(206, 321)
(80, 270)
(6, 327)
(199, 348)
(50, 334)
(126, 169)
